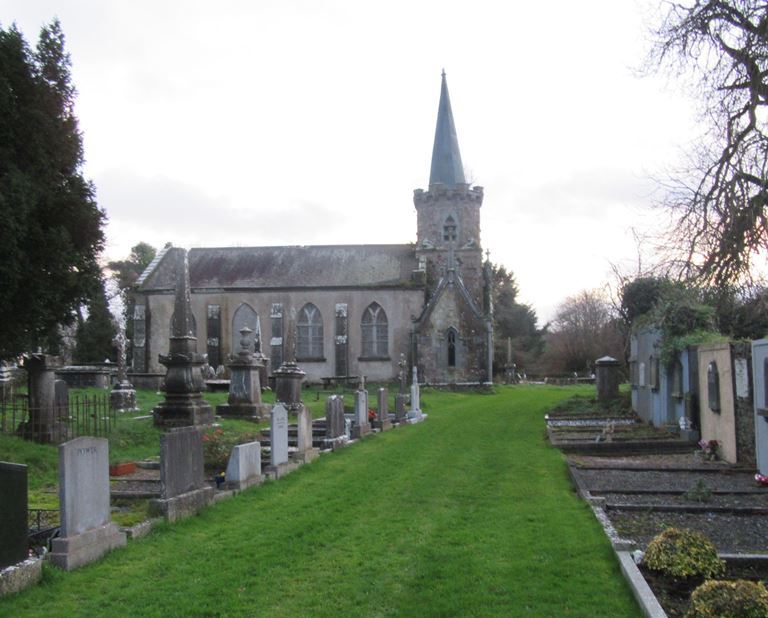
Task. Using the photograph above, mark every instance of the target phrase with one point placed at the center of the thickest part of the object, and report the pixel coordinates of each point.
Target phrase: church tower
(448, 213)
(452, 339)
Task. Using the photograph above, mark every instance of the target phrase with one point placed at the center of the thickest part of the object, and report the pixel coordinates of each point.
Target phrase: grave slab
(244, 467)
(182, 484)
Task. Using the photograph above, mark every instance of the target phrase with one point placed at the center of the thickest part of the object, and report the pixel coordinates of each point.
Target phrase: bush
(217, 446)
(729, 599)
(683, 553)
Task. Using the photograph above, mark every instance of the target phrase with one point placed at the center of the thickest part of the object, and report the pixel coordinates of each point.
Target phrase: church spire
(446, 158)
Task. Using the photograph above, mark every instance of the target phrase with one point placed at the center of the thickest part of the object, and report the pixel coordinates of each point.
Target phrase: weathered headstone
(607, 378)
(414, 414)
(305, 451)
(86, 530)
(183, 404)
(362, 425)
(401, 401)
(183, 491)
(13, 514)
(278, 433)
(403, 374)
(244, 467)
(335, 433)
(382, 413)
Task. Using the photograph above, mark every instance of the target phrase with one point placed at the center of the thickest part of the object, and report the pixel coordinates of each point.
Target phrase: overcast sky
(310, 122)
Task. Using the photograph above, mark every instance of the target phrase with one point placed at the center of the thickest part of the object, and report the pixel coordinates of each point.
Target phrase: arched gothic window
(449, 229)
(375, 331)
(450, 341)
(309, 327)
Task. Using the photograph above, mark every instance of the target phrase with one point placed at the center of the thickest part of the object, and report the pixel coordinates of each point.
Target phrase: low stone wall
(84, 376)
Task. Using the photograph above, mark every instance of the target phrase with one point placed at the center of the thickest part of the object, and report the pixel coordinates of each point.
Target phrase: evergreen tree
(95, 336)
(51, 230)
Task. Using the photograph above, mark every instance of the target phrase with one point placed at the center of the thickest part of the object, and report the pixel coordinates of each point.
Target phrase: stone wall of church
(467, 364)
(400, 306)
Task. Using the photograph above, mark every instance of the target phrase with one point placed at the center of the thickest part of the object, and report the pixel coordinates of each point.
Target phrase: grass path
(467, 514)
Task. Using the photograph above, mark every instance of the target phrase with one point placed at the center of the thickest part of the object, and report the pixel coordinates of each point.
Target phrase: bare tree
(719, 203)
(583, 329)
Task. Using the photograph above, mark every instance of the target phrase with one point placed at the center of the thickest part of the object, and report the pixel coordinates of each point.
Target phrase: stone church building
(344, 310)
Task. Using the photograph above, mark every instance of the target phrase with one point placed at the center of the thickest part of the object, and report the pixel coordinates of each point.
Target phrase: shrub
(683, 553)
(217, 446)
(729, 599)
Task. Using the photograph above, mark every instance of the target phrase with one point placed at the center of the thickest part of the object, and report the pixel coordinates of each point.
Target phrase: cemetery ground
(468, 513)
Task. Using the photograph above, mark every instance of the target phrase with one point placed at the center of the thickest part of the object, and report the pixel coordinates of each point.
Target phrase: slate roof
(447, 168)
(324, 266)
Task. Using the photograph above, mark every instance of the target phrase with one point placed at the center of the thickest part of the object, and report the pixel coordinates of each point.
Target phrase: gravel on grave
(730, 533)
(719, 500)
(625, 480)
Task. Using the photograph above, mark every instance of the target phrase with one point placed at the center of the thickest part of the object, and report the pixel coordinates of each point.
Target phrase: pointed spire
(446, 158)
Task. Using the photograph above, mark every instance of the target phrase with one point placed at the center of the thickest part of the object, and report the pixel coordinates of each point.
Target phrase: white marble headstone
(279, 435)
(83, 484)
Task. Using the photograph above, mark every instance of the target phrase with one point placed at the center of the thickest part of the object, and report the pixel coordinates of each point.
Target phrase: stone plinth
(123, 397)
(382, 421)
(244, 467)
(13, 514)
(244, 384)
(288, 378)
(16, 578)
(607, 378)
(44, 424)
(86, 531)
(183, 491)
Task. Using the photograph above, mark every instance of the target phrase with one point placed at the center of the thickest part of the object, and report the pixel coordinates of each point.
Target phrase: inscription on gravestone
(279, 435)
(83, 484)
(13, 513)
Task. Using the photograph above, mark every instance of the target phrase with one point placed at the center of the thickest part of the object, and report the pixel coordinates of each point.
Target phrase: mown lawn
(467, 514)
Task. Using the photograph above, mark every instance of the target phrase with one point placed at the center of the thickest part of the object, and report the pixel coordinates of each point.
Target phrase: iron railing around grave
(84, 415)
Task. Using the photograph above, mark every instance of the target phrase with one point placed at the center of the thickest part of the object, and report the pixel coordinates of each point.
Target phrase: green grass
(470, 513)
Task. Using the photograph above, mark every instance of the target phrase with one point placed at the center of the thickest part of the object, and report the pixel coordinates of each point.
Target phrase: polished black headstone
(13, 514)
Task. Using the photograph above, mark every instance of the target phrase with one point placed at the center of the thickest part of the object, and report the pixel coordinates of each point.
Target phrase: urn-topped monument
(184, 404)
(244, 385)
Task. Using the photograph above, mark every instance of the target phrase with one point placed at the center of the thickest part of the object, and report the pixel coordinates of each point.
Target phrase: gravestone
(760, 382)
(305, 451)
(13, 514)
(382, 414)
(607, 378)
(244, 467)
(183, 491)
(414, 414)
(335, 432)
(278, 428)
(401, 402)
(61, 398)
(86, 530)
(362, 426)
(244, 384)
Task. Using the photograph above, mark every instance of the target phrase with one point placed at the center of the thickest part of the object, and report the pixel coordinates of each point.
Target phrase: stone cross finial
(121, 342)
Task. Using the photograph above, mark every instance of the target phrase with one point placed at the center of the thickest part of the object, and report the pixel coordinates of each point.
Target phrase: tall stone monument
(244, 384)
(184, 404)
(44, 423)
(288, 378)
(123, 395)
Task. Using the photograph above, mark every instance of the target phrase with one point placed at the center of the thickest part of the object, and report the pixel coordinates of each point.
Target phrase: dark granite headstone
(401, 401)
(13, 514)
(61, 398)
(181, 462)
